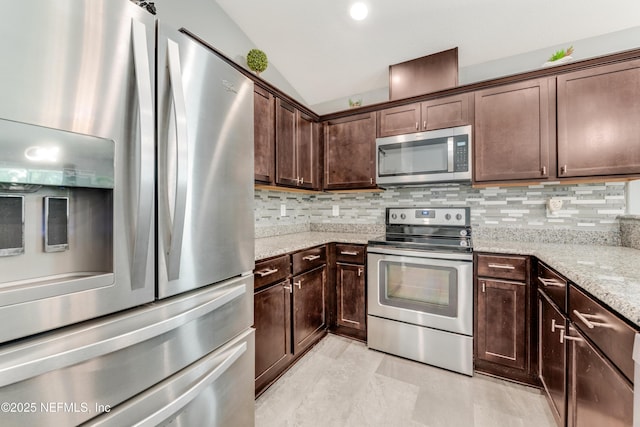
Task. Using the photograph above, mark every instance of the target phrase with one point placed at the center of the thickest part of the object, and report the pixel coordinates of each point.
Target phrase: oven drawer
(608, 332)
(308, 259)
(271, 271)
(553, 285)
(351, 254)
(503, 267)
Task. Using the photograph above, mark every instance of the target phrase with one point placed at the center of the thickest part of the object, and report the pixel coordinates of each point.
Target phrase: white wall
(585, 48)
(208, 21)
(633, 197)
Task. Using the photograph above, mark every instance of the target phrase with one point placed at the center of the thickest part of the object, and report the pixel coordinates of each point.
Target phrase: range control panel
(429, 216)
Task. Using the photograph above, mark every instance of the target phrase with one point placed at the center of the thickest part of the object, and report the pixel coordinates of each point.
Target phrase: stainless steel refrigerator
(126, 221)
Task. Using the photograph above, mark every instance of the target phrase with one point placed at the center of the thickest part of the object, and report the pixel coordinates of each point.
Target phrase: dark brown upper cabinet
(264, 135)
(349, 152)
(514, 135)
(599, 121)
(427, 74)
(438, 113)
(297, 148)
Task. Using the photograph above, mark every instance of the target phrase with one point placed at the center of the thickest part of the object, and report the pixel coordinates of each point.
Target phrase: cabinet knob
(298, 284)
(288, 287)
(484, 286)
(544, 171)
(563, 170)
(417, 128)
(424, 125)
(371, 181)
(359, 272)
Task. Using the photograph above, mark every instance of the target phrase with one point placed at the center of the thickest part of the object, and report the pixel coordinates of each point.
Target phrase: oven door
(431, 289)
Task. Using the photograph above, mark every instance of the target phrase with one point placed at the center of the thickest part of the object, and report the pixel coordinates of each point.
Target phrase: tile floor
(342, 383)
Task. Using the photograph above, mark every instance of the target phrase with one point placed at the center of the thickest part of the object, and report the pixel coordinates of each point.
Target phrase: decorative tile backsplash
(585, 207)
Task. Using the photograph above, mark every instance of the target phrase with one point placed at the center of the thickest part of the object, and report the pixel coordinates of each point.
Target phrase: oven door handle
(389, 250)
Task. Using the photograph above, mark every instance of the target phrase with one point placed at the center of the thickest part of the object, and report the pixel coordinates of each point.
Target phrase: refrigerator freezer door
(205, 166)
(84, 68)
(100, 364)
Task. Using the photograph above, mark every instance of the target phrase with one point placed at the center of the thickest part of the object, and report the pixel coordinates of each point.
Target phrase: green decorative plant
(561, 54)
(257, 60)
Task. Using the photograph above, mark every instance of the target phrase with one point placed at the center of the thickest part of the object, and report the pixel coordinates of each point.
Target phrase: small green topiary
(257, 60)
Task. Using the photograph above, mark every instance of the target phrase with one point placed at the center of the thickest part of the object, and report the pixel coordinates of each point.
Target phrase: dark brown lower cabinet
(552, 356)
(309, 317)
(502, 323)
(350, 291)
(272, 321)
(504, 343)
(599, 395)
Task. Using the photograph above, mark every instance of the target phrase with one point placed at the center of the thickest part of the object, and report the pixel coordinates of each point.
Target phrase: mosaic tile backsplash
(591, 208)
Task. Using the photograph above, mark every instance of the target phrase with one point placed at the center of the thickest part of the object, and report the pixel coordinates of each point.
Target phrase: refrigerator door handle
(182, 161)
(51, 356)
(145, 166)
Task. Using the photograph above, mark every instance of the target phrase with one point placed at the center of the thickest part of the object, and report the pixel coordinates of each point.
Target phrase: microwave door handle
(182, 159)
(145, 165)
(450, 154)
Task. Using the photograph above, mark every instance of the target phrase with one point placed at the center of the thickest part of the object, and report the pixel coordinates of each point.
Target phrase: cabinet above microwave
(442, 155)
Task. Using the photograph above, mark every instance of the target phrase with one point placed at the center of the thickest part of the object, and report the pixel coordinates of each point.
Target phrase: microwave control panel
(461, 154)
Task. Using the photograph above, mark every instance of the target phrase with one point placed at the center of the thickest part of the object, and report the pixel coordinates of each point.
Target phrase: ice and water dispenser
(56, 210)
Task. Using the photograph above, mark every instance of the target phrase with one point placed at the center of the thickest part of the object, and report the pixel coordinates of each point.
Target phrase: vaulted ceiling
(326, 55)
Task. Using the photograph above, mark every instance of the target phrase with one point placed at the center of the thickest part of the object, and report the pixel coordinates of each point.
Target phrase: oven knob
(403, 216)
(463, 233)
(459, 217)
(394, 216)
(447, 217)
(463, 243)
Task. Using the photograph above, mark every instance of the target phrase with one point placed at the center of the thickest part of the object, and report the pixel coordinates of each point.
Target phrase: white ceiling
(325, 55)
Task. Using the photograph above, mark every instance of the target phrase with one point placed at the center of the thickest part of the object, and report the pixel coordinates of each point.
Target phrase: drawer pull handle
(555, 326)
(348, 253)
(564, 337)
(502, 266)
(311, 257)
(267, 272)
(551, 282)
(585, 319)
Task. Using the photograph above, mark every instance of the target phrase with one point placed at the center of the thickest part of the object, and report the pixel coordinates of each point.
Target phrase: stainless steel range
(420, 287)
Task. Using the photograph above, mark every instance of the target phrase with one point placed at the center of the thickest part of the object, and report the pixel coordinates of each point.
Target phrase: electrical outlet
(336, 210)
(283, 210)
(553, 207)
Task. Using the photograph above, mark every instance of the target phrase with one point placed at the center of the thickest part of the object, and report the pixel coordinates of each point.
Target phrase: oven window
(424, 288)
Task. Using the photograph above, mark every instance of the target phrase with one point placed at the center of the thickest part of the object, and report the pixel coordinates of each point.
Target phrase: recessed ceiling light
(359, 11)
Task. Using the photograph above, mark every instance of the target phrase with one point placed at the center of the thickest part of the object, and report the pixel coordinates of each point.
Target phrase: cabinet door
(350, 148)
(264, 135)
(598, 121)
(552, 366)
(514, 131)
(286, 170)
(272, 321)
(447, 112)
(501, 326)
(308, 308)
(599, 395)
(307, 152)
(399, 120)
(350, 286)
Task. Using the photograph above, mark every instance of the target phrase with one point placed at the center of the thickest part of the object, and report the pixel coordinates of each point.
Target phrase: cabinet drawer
(308, 259)
(503, 267)
(553, 285)
(608, 332)
(351, 254)
(271, 271)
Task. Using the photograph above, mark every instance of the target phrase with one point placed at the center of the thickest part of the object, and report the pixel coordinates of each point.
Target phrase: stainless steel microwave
(441, 155)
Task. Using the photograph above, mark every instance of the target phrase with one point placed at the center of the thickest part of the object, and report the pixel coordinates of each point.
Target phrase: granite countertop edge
(609, 273)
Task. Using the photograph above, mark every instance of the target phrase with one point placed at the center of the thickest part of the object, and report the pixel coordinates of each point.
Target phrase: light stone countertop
(267, 247)
(609, 273)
